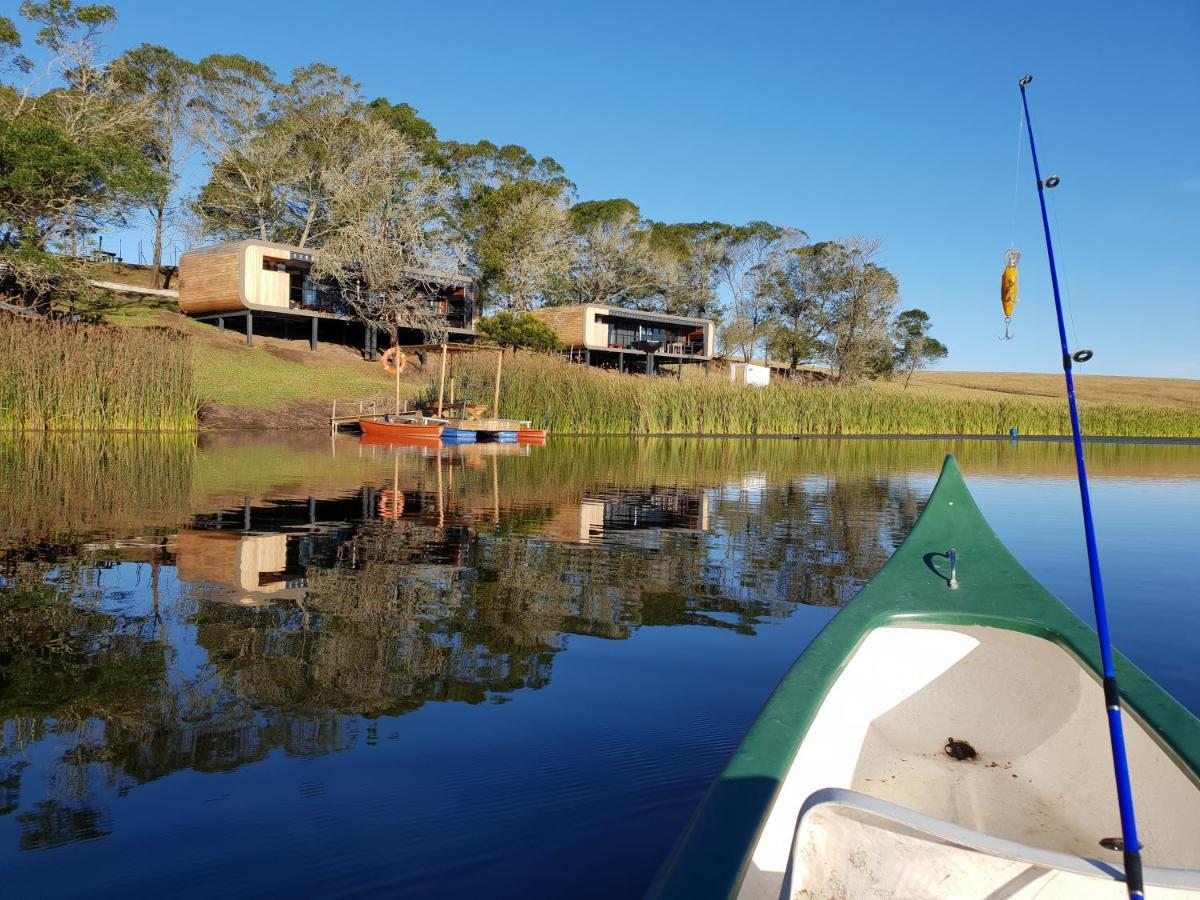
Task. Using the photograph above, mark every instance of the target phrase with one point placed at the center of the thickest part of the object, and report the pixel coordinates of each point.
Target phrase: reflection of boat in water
(944, 736)
(401, 428)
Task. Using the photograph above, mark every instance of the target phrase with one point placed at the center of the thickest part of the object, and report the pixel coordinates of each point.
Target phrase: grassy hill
(1169, 392)
(282, 384)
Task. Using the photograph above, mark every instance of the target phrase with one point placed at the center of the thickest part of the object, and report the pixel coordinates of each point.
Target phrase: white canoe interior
(1023, 818)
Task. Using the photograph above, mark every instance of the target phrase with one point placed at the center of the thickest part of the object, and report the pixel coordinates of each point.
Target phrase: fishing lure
(1008, 288)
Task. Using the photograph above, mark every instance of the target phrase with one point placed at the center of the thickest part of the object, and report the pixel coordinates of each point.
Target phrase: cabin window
(622, 334)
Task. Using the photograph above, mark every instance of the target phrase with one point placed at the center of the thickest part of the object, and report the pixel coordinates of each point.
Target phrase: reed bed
(60, 488)
(76, 377)
(571, 399)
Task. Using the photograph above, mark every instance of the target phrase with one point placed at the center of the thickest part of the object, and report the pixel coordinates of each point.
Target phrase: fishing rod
(1112, 698)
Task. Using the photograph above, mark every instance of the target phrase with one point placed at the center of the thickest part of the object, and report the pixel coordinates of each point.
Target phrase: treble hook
(1007, 335)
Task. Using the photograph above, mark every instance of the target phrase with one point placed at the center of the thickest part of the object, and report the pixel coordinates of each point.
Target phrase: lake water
(310, 665)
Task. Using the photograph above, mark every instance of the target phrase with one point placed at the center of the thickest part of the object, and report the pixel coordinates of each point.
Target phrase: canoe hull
(909, 664)
(378, 429)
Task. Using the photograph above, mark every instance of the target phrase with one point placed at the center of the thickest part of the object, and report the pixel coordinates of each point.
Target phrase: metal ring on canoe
(393, 361)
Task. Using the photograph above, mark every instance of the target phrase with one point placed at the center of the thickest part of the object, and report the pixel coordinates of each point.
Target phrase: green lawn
(245, 376)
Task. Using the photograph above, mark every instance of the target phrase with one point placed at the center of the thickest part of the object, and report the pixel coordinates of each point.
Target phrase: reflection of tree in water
(434, 606)
(76, 674)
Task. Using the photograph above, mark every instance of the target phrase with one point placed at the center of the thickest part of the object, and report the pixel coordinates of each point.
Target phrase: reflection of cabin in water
(260, 283)
(254, 565)
(629, 339)
(630, 518)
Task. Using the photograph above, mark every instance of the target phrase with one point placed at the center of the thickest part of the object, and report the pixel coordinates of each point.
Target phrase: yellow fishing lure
(1008, 288)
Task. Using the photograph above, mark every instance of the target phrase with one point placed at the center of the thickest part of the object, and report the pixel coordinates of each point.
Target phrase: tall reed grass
(75, 377)
(59, 488)
(571, 399)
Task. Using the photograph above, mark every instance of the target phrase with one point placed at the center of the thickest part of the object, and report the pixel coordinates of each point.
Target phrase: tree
(11, 58)
(750, 255)
(795, 291)
(249, 160)
(858, 296)
(167, 84)
(614, 261)
(527, 250)
(487, 182)
(915, 348)
(384, 229)
(519, 330)
(319, 116)
(71, 158)
(693, 253)
(406, 120)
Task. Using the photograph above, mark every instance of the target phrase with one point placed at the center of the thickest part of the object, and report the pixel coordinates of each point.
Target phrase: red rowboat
(531, 435)
(413, 428)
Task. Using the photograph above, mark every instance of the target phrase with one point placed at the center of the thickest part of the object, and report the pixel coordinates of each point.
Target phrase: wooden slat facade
(210, 280)
(568, 322)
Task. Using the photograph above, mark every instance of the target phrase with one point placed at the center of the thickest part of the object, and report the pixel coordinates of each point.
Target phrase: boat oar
(1112, 696)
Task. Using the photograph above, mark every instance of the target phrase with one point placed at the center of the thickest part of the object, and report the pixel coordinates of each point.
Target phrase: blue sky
(897, 121)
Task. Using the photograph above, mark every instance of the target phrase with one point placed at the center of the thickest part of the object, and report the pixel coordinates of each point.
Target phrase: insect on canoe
(947, 742)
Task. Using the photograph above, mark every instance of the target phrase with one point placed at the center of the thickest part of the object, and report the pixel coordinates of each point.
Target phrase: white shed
(750, 374)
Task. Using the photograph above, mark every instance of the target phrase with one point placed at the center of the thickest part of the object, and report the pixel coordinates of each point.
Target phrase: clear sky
(894, 120)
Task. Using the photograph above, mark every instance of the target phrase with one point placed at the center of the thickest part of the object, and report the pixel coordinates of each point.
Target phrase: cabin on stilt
(261, 285)
(629, 340)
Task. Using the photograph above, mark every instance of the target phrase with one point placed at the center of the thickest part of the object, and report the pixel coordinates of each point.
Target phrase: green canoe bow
(994, 590)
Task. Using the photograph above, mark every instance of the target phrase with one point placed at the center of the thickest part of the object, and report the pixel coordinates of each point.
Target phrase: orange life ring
(390, 505)
(396, 355)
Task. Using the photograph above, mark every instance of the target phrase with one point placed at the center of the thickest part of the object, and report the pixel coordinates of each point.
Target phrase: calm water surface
(261, 667)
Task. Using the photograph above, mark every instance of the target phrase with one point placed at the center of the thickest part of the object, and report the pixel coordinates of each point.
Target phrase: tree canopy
(305, 158)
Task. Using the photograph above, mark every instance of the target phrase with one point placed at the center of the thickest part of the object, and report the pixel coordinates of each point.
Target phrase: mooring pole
(442, 382)
(496, 390)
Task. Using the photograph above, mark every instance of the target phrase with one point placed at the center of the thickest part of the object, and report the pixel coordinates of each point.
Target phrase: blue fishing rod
(1112, 697)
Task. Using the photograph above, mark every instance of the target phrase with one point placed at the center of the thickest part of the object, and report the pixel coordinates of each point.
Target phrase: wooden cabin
(629, 339)
(261, 281)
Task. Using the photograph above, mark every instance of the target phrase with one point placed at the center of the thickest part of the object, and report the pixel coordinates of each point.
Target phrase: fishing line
(1064, 277)
(1017, 175)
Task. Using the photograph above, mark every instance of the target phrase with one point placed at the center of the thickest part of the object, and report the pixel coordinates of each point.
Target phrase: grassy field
(570, 399)
(280, 383)
(1172, 392)
(273, 374)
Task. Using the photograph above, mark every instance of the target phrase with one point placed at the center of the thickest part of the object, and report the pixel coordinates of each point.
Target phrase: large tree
(750, 256)
(71, 158)
(166, 84)
(693, 253)
(384, 228)
(250, 160)
(860, 296)
(615, 261)
(527, 250)
(492, 186)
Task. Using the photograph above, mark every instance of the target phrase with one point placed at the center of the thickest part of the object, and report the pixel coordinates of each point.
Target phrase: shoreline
(313, 431)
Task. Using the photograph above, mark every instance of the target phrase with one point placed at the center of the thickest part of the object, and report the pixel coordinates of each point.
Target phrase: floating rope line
(1112, 697)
